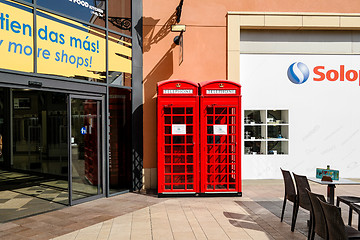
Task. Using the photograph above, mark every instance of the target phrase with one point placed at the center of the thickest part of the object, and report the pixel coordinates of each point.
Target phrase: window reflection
(86, 10)
(85, 137)
(40, 132)
(119, 60)
(120, 16)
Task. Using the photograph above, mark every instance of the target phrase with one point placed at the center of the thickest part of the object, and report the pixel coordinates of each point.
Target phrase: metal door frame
(101, 148)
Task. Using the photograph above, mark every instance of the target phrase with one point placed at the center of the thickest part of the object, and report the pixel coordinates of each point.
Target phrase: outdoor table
(356, 207)
(331, 186)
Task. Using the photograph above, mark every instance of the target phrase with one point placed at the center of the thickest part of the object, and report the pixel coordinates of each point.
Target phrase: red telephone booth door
(177, 137)
(220, 138)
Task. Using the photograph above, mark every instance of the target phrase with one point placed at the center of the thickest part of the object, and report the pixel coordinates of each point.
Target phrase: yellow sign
(16, 37)
(64, 47)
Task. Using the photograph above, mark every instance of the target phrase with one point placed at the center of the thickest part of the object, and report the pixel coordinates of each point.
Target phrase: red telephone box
(220, 139)
(178, 137)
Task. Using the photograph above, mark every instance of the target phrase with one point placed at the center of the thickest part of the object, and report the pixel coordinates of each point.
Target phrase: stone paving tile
(69, 219)
(121, 227)
(141, 226)
(194, 224)
(256, 215)
(181, 219)
(208, 223)
(160, 225)
(179, 223)
(12, 237)
(69, 236)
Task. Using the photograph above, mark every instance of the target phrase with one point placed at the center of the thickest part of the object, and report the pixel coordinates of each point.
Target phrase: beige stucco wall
(212, 43)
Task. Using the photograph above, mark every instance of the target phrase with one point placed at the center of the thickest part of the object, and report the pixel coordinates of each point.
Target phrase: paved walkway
(256, 215)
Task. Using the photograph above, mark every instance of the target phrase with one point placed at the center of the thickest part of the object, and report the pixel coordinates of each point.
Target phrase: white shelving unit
(266, 132)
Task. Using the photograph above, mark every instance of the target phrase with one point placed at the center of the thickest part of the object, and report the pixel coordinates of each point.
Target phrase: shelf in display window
(268, 124)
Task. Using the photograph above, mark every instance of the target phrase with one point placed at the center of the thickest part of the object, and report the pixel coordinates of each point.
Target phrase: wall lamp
(178, 28)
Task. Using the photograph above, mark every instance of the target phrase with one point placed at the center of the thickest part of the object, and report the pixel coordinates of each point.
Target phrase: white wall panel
(324, 116)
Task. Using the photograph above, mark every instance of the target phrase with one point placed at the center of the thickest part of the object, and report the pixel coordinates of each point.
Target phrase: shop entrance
(51, 150)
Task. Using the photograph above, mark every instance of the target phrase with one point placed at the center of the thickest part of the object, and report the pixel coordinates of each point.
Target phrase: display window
(64, 47)
(266, 132)
(16, 31)
(70, 49)
(119, 60)
(120, 16)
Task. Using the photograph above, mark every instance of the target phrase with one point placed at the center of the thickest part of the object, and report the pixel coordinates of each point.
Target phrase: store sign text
(64, 47)
(340, 74)
(46, 34)
(94, 10)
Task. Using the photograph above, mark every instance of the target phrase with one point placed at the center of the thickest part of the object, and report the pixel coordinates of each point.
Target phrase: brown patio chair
(336, 229)
(318, 224)
(302, 199)
(347, 200)
(290, 193)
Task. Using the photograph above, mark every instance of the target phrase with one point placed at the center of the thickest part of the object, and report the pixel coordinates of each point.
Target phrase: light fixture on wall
(178, 28)
(177, 39)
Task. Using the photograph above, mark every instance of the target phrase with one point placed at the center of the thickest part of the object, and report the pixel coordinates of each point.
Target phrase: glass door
(86, 168)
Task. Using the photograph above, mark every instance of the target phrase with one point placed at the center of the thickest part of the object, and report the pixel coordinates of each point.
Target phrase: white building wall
(324, 116)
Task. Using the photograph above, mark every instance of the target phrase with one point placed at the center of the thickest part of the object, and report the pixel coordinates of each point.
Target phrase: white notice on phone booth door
(220, 129)
(178, 129)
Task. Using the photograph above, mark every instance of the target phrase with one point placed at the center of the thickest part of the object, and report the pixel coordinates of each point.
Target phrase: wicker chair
(318, 224)
(290, 193)
(347, 200)
(336, 229)
(302, 199)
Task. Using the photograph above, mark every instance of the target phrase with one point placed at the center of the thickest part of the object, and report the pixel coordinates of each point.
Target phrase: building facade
(297, 63)
(78, 86)
(70, 97)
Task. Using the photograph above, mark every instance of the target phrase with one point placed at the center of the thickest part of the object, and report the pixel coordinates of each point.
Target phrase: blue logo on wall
(298, 73)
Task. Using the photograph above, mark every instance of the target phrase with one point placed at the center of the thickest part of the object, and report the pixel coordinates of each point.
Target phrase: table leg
(331, 193)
